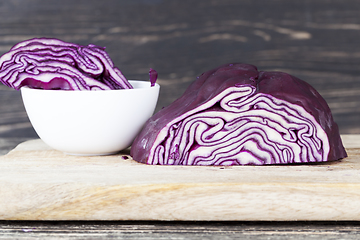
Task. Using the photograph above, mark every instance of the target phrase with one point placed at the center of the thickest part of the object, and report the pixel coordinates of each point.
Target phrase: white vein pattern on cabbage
(80, 66)
(249, 129)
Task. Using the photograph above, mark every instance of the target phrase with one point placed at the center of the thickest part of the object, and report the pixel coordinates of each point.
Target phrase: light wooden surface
(38, 183)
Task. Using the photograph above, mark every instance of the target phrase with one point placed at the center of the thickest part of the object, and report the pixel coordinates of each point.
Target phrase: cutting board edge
(200, 202)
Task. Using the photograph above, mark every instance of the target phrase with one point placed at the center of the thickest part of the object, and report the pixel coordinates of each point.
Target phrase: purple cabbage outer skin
(236, 115)
(53, 64)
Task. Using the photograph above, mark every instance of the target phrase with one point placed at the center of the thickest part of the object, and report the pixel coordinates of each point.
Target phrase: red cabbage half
(53, 64)
(236, 115)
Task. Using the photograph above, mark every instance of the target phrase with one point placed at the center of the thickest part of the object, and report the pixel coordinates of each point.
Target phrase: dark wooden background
(315, 40)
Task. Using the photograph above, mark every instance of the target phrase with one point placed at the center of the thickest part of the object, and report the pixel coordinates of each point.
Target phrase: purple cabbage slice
(49, 63)
(236, 115)
(153, 76)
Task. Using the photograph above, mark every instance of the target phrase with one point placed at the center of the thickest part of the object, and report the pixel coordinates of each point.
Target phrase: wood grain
(313, 40)
(38, 183)
(145, 230)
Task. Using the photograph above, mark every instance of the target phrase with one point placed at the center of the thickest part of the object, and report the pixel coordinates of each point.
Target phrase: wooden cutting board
(38, 183)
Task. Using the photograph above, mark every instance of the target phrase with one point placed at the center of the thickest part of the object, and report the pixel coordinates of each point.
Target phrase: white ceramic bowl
(90, 122)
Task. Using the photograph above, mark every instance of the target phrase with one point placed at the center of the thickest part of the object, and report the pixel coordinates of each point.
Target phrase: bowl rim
(26, 88)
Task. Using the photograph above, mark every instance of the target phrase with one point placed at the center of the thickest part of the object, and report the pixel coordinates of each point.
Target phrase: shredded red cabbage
(236, 115)
(48, 63)
(153, 76)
